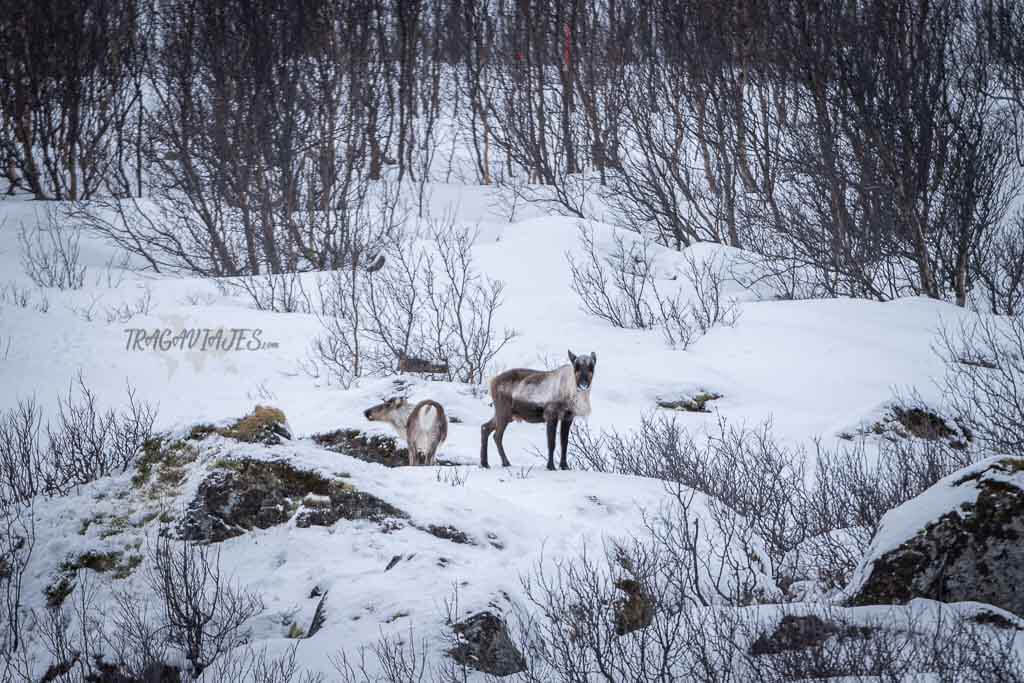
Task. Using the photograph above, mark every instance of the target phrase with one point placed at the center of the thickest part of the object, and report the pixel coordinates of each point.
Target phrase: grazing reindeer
(535, 396)
(424, 427)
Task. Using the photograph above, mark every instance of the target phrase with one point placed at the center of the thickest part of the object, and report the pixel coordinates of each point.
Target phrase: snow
(517, 520)
(811, 367)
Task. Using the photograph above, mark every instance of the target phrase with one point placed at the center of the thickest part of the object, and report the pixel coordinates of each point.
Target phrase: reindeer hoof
(564, 467)
(485, 466)
(551, 467)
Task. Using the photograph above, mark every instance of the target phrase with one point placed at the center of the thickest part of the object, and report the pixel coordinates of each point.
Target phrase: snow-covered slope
(814, 368)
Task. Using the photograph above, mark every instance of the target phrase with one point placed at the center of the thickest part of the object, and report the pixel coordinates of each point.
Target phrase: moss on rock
(265, 424)
(161, 467)
(970, 553)
(245, 494)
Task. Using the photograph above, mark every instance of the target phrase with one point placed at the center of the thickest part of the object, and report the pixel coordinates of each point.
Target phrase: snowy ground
(814, 368)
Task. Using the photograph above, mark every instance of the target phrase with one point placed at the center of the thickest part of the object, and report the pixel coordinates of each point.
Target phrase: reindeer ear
(593, 358)
(572, 358)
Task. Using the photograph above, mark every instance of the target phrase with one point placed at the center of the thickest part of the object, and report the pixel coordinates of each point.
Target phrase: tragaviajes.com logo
(197, 339)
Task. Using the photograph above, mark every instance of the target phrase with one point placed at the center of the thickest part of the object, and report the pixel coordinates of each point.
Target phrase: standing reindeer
(535, 396)
(424, 427)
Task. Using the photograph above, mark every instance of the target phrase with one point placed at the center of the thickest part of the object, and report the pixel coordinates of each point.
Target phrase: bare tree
(203, 611)
(429, 303)
(984, 380)
(66, 95)
(85, 443)
(617, 286)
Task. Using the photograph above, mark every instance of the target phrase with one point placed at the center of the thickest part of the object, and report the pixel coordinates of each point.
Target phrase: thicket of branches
(422, 304)
(873, 148)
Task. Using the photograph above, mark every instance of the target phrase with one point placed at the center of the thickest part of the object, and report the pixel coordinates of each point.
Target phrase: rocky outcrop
(960, 540)
(484, 644)
(382, 450)
(240, 495)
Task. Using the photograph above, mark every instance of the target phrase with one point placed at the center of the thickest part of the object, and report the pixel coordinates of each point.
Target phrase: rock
(960, 540)
(265, 424)
(636, 610)
(156, 672)
(257, 494)
(690, 404)
(319, 617)
(449, 533)
(382, 450)
(915, 422)
(795, 633)
(484, 644)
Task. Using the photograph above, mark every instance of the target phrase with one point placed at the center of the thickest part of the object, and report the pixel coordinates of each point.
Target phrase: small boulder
(795, 633)
(265, 424)
(484, 644)
(960, 540)
(696, 403)
(157, 672)
(636, 610)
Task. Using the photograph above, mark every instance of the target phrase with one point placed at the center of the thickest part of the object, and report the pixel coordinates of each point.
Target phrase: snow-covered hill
(816, 369)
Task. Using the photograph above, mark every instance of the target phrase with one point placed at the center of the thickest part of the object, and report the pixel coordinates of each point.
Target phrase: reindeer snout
(367, 414)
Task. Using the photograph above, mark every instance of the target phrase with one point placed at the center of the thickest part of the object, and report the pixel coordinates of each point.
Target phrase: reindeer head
(382, 411)
(583, 368)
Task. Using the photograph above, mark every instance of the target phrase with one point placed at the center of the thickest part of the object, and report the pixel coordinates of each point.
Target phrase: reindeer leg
(552, 428)
(485, 433)
(499, 436)
(566, 426)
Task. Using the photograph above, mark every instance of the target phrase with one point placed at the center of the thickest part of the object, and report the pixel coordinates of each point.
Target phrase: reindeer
(423, 426)
(536, 396)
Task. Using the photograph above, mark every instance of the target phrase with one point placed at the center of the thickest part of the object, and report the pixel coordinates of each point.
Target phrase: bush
(51, 257)
(571, 631)
(426, 303)
(615, 287)
(984, 381)
(621, 289)
(811, 527)
(83, 444)
(203, 614)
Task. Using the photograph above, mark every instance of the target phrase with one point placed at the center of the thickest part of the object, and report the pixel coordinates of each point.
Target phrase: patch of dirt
(114, 562)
